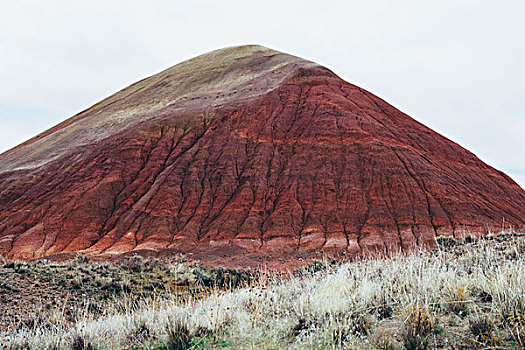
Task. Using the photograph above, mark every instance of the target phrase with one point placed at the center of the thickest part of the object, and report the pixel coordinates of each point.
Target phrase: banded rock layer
(245, 156)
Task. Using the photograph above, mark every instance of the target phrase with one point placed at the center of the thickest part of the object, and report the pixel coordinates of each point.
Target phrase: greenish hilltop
(222, 77)
(204, 73)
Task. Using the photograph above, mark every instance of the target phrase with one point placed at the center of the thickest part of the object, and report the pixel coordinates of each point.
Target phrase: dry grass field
(464, 295)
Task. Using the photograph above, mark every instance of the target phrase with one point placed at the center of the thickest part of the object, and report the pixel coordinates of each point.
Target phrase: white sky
(457, 66)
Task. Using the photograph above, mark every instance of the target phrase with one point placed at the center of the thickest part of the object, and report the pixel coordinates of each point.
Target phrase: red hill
(244, 156)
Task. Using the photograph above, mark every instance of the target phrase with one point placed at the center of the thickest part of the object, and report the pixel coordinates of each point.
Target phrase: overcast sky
(457, 66)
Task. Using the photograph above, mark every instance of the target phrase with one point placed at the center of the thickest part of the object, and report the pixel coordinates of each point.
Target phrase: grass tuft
(179, 336)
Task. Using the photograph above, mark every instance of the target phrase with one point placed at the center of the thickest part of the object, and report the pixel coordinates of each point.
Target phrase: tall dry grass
(472, 295)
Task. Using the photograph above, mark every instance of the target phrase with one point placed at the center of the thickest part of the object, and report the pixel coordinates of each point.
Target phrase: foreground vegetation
(42, 292)
(463, 295)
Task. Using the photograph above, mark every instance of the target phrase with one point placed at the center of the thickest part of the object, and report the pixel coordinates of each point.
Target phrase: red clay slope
(245, 156)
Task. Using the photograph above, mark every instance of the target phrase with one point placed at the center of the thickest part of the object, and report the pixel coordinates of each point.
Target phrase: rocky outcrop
(245, 156)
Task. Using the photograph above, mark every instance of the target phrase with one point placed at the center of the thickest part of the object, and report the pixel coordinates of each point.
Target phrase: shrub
(384, 311)
(446, 242)
(140, 334)
(347, 326)
(179, 336)
(80, 259)
(515, 324)
(135, 263)
(384, 342)
(221, 277)
(417, 328)
(482, 330)
(485, 297)
(299, 327)
(458, 301)
(81, 343)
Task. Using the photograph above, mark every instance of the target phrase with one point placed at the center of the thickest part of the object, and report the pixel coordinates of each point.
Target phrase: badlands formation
(240, 157)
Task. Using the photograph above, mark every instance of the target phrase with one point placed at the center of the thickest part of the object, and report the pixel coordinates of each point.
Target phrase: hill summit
(245, 156)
